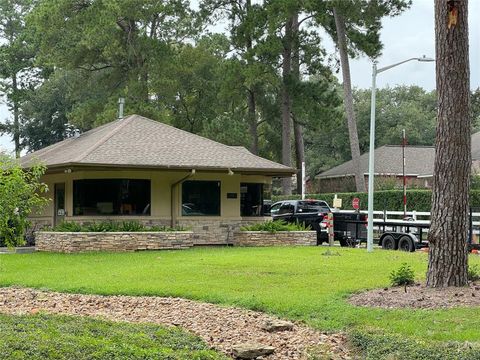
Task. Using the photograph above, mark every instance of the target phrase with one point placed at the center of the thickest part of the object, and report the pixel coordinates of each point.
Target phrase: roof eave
(276, 172)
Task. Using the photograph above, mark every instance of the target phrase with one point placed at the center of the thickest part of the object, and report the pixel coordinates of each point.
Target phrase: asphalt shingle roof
(419, 161)
(136, 141)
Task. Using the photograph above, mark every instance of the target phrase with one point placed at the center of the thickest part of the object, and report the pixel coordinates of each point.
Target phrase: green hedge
(418, 200)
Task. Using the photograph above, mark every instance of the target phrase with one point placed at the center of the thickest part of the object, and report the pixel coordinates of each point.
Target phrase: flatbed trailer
(391, 235)
(405, 235)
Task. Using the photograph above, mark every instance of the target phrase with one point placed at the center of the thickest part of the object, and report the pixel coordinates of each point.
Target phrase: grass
(301, 283)
(42, 336)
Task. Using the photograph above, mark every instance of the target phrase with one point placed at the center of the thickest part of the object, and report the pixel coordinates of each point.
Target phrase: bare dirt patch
(419, 296)
(221, 327)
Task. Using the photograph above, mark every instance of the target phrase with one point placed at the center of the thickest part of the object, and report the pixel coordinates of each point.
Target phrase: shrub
(132, 226)
(274, 226)
(403, 276)
(68, 226)
(103, 226)
(473, 273)
(21, 194)
(111, 226)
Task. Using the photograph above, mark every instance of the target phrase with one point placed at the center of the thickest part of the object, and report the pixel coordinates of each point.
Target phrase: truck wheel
(343, 242)
(406, 244)
(389, 243)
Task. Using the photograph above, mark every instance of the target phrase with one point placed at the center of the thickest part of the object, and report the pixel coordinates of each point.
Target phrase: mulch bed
(419, 296)
(221, 327)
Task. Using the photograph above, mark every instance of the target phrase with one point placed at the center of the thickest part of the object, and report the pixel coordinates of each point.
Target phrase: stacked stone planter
(70, 242)
(280, 238)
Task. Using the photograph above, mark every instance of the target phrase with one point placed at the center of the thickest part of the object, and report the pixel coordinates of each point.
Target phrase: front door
(59, 200)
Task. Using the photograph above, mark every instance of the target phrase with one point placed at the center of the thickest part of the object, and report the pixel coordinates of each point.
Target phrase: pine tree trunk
(348, 101)
(447, 237)
(251, 100)
(286, 106)
(252, 120)
(297, 127)
(16, 117)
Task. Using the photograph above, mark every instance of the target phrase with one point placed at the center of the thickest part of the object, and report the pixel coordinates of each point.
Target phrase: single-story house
(140, 169)
(419, 162)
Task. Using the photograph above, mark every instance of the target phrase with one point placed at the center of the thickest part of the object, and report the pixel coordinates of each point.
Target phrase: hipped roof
(136, 141)
(419, 161)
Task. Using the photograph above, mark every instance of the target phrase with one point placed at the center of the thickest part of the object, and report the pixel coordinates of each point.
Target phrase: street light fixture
(371, 157)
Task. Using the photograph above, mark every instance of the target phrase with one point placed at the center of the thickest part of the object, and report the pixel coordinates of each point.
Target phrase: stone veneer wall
(205, 231)
(280, 238)
(216, 232)
(69, 242)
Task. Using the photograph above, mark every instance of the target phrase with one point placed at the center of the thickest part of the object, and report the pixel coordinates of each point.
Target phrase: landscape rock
(274, 325)
(251, 350)
(221, 327)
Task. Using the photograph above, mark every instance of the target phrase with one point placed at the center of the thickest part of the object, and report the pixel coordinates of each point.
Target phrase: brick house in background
(419, 162)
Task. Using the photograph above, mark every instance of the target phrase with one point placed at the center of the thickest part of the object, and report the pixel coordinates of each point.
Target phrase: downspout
(173, 207)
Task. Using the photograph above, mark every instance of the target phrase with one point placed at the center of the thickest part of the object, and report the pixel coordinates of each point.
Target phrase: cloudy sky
(406, 36)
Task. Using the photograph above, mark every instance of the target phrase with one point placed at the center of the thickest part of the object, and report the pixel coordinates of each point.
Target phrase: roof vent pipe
(121, 103)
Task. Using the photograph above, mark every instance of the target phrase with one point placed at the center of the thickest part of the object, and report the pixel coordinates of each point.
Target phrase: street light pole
(371, 155)
(371, 160)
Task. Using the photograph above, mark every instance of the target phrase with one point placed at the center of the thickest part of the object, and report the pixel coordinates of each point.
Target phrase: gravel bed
(419, 297)
(221, 327)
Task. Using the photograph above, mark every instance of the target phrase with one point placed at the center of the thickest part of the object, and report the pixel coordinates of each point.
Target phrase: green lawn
(42, 337)
(298, 283)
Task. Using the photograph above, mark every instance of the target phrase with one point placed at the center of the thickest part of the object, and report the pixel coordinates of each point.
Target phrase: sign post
(331, 234)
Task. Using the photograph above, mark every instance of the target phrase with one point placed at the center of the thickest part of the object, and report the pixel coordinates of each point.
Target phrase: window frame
(219, 185)
(149, 204)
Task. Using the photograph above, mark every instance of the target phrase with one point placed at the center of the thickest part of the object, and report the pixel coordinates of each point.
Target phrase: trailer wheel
(389, 243)
(406, 244)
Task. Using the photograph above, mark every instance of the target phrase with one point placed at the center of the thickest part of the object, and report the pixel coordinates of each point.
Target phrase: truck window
(286, 209)
(312, 206)
(274, 209)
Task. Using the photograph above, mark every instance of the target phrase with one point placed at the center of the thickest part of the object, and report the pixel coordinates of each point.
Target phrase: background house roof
(136, 141)
(388, 160)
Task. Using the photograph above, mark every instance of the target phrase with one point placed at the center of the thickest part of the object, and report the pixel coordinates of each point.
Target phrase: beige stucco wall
(161, 200)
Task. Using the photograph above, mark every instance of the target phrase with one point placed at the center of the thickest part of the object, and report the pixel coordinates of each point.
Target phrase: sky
(408, 35)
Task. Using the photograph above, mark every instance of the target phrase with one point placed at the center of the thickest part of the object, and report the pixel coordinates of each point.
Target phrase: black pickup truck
(349, 228)
(308, 212)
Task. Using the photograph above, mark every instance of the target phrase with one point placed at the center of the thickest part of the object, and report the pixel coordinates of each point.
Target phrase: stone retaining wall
(69, 242)
(280, 238)
(216, 232)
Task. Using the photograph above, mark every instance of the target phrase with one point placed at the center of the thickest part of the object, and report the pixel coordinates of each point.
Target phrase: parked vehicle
(348, 228)
(308, 212)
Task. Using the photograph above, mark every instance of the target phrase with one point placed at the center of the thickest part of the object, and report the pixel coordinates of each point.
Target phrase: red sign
(356, 203)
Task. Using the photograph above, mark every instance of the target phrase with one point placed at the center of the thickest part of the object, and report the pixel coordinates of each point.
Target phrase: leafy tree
(401, 107)
(356, 30)
(447, 237)
(247, 26)
(45, 112)
(20, 195)
(17, 73)
(475, 109)
(117, 45)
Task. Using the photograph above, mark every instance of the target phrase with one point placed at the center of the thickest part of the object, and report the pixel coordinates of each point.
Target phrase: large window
(111, 197)
(251, 199)
(201, 198)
